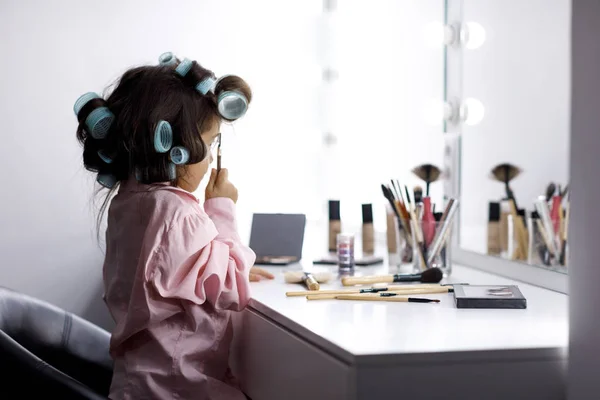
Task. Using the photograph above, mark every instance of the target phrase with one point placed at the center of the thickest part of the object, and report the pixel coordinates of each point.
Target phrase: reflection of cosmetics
(494, 244)
(505, 173)
(556, 213)
(335, 223)
(368, 233)
(565, 233)
(520, 231)
(504, 213)
(539, 243)
(345, 251)
(541, 207)
(431, 275)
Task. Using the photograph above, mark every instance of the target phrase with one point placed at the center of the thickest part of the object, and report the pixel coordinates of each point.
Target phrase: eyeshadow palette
(489, 296)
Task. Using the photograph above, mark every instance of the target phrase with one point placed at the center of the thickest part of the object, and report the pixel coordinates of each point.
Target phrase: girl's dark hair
(142, 97)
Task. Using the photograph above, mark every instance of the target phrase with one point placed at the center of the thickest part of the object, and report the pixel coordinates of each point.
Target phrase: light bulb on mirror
(472, 111)
(472, 35)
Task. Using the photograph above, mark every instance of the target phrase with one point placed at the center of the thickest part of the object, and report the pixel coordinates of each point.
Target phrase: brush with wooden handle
(440, 289)
(390, 297)
(431, 275)
(369, 289)
(311, 280)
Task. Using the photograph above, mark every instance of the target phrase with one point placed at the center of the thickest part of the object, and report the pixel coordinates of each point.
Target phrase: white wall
(51, 52)
(521, 74)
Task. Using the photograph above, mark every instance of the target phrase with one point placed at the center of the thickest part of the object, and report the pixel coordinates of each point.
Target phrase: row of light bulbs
(470, 36)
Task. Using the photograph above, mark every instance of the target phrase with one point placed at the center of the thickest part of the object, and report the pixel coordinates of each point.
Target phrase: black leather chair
(46, 352)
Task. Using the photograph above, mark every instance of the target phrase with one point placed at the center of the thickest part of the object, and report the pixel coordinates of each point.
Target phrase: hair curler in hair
(91, 108)
(104, 156)
(184, 67)
(179, 155)
(231, 104)
(167, 59)
(163, 137)
(107, 180)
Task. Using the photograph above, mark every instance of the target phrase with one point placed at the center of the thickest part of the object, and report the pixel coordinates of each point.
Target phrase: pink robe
(173, 273)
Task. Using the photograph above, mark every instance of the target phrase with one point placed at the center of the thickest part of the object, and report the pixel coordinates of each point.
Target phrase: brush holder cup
(431, 244)
(399, 242)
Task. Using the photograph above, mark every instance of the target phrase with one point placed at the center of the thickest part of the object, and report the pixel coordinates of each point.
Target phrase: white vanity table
(291, 348)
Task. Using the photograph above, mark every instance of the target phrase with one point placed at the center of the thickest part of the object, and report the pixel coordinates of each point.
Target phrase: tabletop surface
(372, 331)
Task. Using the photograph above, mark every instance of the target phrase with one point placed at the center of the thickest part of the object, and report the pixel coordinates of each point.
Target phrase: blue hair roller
(232, 105)
(105, 156)
(172, 172)
(179, 155)
(184, 67)
(167, 59)
(206, 85)
(163, 137)
(83, 100)
(107, 180)
(98, 122)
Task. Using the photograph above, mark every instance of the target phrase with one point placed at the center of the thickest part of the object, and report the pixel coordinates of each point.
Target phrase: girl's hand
(258, 274)
(219, 186)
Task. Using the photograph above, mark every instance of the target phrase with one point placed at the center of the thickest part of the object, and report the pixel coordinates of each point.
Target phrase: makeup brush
(420, 245)
(428, 173)
(418, 194)
(431, 275)
(412, 291)
(550, 190)
(311, 280)
(219, 154)
(373, 289)
(391, 297)
(505, 173)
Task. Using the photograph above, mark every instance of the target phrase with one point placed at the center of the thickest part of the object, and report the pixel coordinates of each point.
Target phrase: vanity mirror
(508, 80)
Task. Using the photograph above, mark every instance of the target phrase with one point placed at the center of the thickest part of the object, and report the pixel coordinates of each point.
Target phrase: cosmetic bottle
(335, 224)
(368, 233)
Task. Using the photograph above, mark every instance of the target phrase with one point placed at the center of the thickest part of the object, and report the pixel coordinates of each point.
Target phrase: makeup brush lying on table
(311, 280)
(431, 275)
(395, 291)
(390, 297)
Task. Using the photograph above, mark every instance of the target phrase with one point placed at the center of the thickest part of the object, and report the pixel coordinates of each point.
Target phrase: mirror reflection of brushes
(505, 173)
(428, 173)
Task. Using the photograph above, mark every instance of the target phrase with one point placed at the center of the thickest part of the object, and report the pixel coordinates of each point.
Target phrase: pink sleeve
(203, 260)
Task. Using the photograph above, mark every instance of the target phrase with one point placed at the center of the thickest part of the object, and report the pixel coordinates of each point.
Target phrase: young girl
(173, 270)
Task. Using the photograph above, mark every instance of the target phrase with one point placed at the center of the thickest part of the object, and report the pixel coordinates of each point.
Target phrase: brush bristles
(505, 172)
(427, 172)
(432, 275)
(296, 276)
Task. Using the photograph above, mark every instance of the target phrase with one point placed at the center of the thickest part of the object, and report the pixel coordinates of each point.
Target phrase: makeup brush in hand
(428, 173)
(310, 280)
(505, 173)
